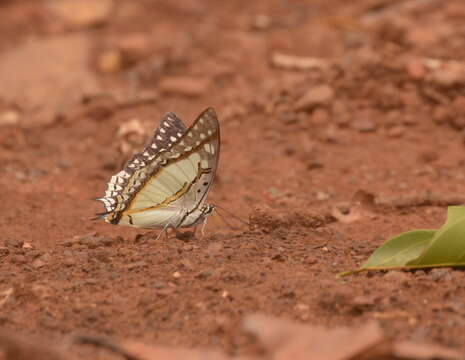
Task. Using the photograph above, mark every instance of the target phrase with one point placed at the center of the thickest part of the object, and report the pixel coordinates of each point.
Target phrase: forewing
(123, 185)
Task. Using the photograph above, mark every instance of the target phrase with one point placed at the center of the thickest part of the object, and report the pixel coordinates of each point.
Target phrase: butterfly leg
(202, 229)
(163, 231)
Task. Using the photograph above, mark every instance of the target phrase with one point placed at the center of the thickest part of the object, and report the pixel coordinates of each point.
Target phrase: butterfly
(166, 184)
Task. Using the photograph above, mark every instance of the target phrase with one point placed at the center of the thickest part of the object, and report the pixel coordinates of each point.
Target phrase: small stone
(397, 277)
(458, 118)
(289, 150)
(292, 62)
(396, 131)
(159, 285)
(458, 122)
(320, 117)
(90, 242)
(459, 104)
(184, 85)
(136, 265)
(110, 61)
(108, 241)
(364, 125)
(321, 195)
(289, 118)
(90, 281)
(28, 246)
(69, 261)
(38, 263)
(18, 259)
(416, 69)
(176, 274)
(186, 263)
(451, 74)
(205, 274)
(442, 114)
(321, 95)
(133, 47)
(188, 247)
(428, 156)
(310, 260)
(214, 249)
(409, 120)
(103, 256)
(341, 113)
(424, 36)
(4, 251)
(314, 165)
(9, 118)
(332, 134)
(402, 185)
(81, 13)
(167, 291)
(261, 22)
(302, 307)
(362, 301)
(438, 274)
(32, 254)
(70, 242)
(10, 242)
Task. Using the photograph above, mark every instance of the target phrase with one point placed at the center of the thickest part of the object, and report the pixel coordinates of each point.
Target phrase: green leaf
(448, 245)
(423, 248)
(400, 250)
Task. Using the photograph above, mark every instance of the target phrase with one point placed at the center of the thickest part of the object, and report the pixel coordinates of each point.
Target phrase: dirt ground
(316, 100)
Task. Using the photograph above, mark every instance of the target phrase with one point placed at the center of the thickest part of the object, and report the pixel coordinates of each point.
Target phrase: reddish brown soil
(385, 114)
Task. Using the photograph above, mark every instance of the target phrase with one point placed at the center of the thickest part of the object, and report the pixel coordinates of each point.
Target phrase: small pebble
(310, 260)
(18, 259)
(396, 131)
(396, 276)
(69, 261)
(10, 242)
(28, 246)
(321, 95)
(438, 274)
(321, 195)
(364, 125)
(136, 265)
(90, 242)
(261, 22)
(110, 61)
(9, 117)
(38, 263)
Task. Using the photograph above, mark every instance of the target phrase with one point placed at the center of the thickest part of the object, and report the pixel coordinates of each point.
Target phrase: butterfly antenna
(224, 220)
(230, 214)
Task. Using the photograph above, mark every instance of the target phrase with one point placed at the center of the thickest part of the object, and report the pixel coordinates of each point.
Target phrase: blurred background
(316, 100)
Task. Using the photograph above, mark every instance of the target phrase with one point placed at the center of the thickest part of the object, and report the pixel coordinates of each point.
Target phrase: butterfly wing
(169, 178)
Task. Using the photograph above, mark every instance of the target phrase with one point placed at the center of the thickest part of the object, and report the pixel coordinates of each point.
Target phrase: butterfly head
(207, 209)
